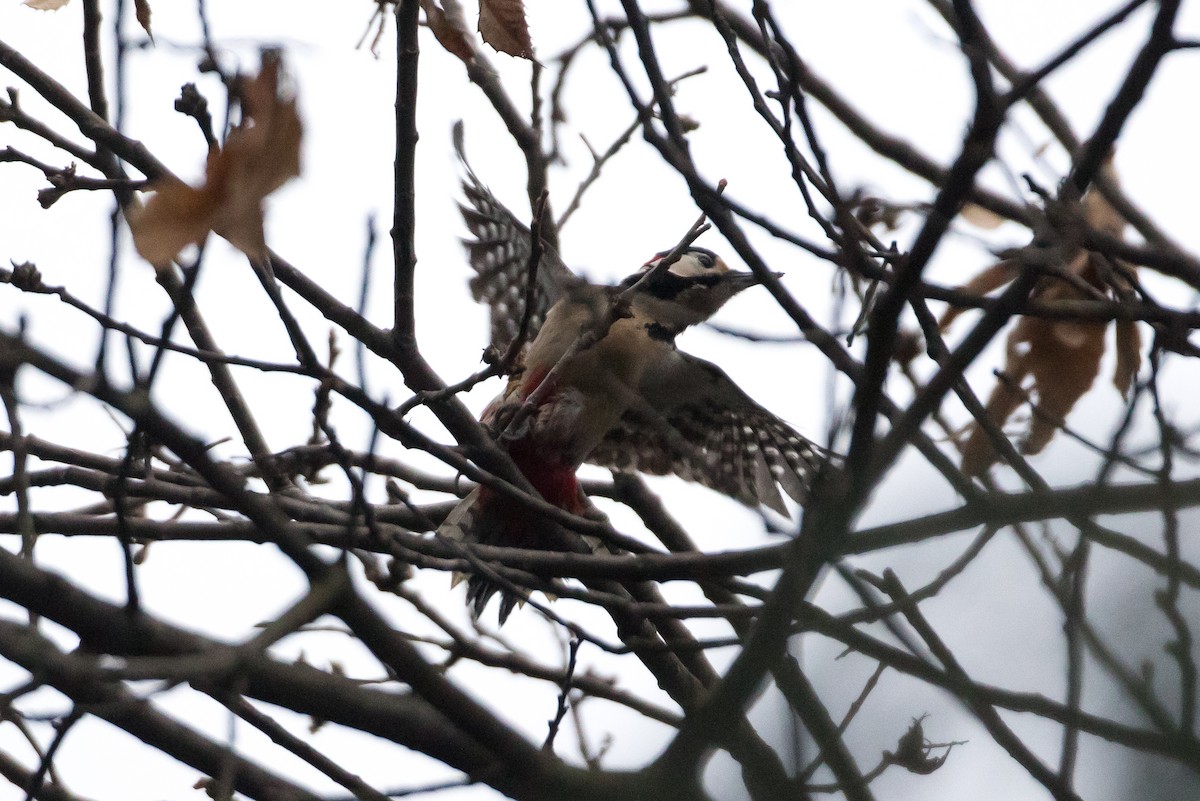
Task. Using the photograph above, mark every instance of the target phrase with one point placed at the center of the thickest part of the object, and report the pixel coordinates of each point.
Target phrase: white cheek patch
(687, 267)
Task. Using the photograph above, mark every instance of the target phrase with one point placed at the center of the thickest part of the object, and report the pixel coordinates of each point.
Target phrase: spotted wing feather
(697, 424)
(498, 250)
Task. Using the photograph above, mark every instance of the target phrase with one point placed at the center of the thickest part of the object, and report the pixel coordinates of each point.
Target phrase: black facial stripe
(668, 285)
(660, 332)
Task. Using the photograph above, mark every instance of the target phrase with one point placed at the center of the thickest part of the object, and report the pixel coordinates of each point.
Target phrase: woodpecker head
(689, 292)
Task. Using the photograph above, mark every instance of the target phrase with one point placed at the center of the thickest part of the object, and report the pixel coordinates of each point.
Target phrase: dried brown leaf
(449, 27)
(978, 452)
(502, 25)
(176, 216)
(142, 11)
(1129, 355)
(1102, 216)
(259, 156)
(987, 280)
(1062, 357)
(46, 5)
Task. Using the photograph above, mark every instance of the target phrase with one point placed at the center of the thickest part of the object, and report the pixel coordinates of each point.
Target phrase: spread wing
(498, 251)
(697, 424)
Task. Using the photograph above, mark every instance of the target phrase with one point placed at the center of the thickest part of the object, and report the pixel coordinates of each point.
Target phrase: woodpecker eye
(706, 261)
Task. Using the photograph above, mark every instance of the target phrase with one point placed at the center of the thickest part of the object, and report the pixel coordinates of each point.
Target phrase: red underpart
(554, 481)
(519, 525)
(532, 381)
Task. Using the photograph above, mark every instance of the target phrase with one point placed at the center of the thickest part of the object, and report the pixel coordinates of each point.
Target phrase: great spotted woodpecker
(630, 402)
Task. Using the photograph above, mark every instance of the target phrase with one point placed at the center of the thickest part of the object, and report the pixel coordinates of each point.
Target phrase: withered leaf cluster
(913, 751)
(1054, 362)
(259, 156)
(501, 24)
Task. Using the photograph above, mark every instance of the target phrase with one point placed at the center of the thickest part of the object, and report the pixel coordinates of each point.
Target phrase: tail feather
(480, 590)
(485, 518)
(470, 522)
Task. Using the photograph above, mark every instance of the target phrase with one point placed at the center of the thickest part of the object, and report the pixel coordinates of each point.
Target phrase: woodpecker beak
(744, 280)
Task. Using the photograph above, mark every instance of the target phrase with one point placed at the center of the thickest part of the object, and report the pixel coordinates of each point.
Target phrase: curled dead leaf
(449, 27)
(913, 751)
(259, 156)
(1062, 357)
(1129, 355)
(989, 279)
(142, 11)
(502, 25)
(176, 216)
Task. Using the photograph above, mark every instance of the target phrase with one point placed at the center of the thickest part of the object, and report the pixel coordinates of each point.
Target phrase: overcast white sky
(895, 60)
